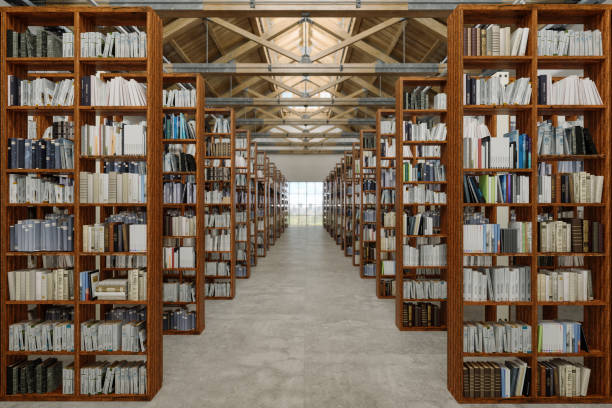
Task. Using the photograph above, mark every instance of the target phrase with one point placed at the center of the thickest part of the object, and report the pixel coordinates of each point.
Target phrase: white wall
(305, 167)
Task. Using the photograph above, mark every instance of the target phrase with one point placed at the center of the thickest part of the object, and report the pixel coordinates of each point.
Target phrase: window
(305, 203)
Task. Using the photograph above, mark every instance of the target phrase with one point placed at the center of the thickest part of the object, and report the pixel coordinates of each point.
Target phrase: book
(37, 42)
(571, 90)
(569, 43)
(179, 319)
(493, 40)
(499, 284)
(496, 337)
(496, 379)
(420, 314)
(493, 91)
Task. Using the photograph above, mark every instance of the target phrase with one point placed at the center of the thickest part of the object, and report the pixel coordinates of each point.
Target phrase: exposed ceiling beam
(241, 87)
(357, 37)
(283, 85)
(362, 45)
(248, 46)
(433, 25)
(260, 40)
(180, 51)
(299, 69)
(305, 122)
(178, 26)
(264, 101)
(303, 135)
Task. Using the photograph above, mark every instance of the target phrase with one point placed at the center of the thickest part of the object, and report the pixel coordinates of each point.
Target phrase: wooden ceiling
(282, 40)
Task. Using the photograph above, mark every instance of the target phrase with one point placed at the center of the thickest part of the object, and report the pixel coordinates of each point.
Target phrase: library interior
(268, 203)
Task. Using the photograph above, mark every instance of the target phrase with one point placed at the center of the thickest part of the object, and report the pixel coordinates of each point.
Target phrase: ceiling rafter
(260, 40)
(355, 38)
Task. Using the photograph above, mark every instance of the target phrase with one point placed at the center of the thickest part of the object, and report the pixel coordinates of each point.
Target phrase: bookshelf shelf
(242, 147)
(219, 151)
(80, 20)
(527, 119)
(408, 94)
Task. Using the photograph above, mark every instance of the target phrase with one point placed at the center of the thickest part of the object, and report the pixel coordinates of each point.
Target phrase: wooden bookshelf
(337, 203)
(270, 169)
(368, 181)
(347, 203)
(262, 201)
(384, 164)
(431, 117)
(83, 19)
(225, 163)
(253, 202)
(595, 314)
(356, 204)
(327, 204)
(182, 274)
(242, 177)
(284, 203)
(277, 203)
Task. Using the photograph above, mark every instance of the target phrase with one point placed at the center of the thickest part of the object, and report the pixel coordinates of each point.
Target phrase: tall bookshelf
(347, 197)
(417, 152)
(284, 203)
(177, 272)
(262, 201)
(242, 199)
(81, 19)
(220, 191)
(386, 205)
(356, 204)
(277, 203)
(338, 200)
(253, 202)
(594, 314)
(367, 252)
(271, 168)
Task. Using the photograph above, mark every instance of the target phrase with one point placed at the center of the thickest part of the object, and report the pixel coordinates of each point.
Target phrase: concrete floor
(304, 331)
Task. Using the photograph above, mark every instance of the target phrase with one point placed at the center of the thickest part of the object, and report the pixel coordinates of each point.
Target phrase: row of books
(115, 335)
(29, 188)
(565, 285)
(115, 237)
(425, 254)
(424, 170)
(53, 233)
(177, 126)
(512, 150)
(561, 336)
(177, 225)
(496, 188)
(562, 378)
(178, 192)
(127, 185)
(218, 288)
(387, 240)
(419, 98)
(421, 314)
(179, 319)
(218, 196)
(115, 138)
(41, 335)
(179, 97)
(564, 139)
(423, 194)
(41, 284)
(571, 235)
(40, 92)
(496, 337)
(59, 129)
(369, 159)
(492, 238)
(117, 91)
(218, 240)
(424, 289)
(494, 91)
(218, 147)
(35, 376)
(132, 288)
(423, 151)
(493, 40)
(387, 126)
(420, 131)
(570, 90)
(179, 257)
(581, 187)
(422, 223)
(113, 44)
(40, 154)
(179, 161)
(495, 379)
(217, 124)
(498, 284)
(38, 43)
(117, 377)
(220, 171)
(178, 292)
(569, 42)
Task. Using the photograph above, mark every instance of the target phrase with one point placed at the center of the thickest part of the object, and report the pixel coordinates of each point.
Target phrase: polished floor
(304, 331)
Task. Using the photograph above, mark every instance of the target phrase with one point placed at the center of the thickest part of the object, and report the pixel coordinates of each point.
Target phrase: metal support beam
(304, 135)
(300, 69)
(300, 101)
(305, 122)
